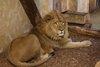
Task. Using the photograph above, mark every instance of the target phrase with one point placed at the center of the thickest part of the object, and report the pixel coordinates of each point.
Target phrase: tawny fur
(51, 33)
(97, 64)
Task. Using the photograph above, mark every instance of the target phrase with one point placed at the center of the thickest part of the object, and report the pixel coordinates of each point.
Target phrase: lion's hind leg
(71, 44)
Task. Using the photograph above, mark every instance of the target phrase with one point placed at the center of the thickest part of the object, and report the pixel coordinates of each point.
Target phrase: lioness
(51, 33)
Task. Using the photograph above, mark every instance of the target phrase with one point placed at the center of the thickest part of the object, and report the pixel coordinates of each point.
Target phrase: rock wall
(44, 7)
(13, 22)
(92, 5)
(72, 5)
(83, 6)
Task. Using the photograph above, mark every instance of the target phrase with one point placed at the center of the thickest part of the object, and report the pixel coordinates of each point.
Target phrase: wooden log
(84, 31)
(86, 25)
(31, 11)
(77, 17)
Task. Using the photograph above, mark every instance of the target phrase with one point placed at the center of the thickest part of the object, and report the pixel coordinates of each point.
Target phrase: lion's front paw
(87, 43)
(97, 64)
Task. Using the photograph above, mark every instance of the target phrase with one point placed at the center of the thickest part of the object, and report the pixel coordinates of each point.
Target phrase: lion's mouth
(61, 33)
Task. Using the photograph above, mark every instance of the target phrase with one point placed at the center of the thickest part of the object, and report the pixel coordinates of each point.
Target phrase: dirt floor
(80, 57)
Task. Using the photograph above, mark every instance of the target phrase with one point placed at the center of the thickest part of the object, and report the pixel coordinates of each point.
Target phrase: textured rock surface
(13, 21)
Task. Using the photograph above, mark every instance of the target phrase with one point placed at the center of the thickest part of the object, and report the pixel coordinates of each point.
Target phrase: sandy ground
(79, 57)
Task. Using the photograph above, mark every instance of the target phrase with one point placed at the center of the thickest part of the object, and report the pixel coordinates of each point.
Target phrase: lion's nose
(61, 28)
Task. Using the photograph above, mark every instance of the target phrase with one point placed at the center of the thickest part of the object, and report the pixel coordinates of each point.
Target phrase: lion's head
(53, 25)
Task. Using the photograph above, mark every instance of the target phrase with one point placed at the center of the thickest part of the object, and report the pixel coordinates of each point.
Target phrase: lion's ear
(48, 18)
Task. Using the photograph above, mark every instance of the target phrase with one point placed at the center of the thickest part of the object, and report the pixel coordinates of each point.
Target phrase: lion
(25, 48)
(40, 45)
(97, 64)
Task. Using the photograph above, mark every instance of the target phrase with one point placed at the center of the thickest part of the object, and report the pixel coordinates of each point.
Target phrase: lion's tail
(19, 63)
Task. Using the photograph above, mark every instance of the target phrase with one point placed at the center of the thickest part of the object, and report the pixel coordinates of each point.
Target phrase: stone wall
(72, 5)
(44, 6)
(13, 22)
(83, 6)
(92, 5)
(78, 5)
